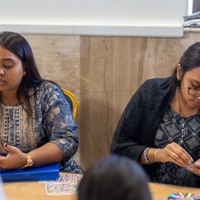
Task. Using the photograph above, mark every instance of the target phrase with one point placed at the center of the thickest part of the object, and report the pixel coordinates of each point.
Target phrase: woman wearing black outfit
(160, 127)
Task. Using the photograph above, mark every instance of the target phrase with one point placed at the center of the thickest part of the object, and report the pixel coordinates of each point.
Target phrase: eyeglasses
(193, 92)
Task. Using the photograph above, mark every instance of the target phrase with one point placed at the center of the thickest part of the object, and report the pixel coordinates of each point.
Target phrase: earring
(24, 74)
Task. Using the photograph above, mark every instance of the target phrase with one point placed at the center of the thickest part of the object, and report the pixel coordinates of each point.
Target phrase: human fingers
(14, 159)
(178, 155)
(5, 148)
(10, 149)
(2, 150)
(182, 157)
(166, 155)
(195, 168)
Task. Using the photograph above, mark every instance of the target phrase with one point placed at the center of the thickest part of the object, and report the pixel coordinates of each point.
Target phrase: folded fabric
(195, 15)
(195, 23)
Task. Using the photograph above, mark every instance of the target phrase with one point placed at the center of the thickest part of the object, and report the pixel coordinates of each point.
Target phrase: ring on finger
(173, 154)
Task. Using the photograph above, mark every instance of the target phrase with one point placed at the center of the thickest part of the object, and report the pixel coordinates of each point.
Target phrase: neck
(9, 99)
(179, 105)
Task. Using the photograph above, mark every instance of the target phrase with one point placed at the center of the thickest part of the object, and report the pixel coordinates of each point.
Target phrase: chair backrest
(74, 102)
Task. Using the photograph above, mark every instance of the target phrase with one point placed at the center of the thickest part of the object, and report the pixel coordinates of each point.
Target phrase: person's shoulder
(156, 82)
(47, 87)
(154, 85)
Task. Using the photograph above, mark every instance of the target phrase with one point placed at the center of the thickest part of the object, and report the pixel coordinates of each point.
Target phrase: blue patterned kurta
(52, 121)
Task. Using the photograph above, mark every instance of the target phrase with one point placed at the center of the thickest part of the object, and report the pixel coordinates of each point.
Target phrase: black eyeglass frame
(195, 94)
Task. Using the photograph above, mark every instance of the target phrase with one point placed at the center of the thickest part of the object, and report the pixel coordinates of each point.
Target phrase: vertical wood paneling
(112, 68)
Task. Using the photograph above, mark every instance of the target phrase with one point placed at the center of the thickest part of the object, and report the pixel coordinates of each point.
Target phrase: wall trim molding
(98, 30)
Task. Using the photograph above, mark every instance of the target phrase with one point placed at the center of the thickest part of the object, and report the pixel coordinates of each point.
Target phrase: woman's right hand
(176, 154)
(15, 158)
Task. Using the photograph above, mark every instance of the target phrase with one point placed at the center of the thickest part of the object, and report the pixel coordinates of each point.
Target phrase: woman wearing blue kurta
(36, 127)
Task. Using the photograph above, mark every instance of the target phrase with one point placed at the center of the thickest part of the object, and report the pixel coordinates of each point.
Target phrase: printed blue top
(52, 121)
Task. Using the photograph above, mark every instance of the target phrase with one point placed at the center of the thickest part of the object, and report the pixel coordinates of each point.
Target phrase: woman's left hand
(15, 158)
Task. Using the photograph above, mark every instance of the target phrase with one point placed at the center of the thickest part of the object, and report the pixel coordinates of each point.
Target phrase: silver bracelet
(145, 155)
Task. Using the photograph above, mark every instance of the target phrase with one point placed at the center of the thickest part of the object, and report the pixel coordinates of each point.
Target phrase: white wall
(94, 17)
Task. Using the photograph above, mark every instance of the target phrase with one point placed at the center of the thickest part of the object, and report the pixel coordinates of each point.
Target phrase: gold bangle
(29, 161)
(155, 155)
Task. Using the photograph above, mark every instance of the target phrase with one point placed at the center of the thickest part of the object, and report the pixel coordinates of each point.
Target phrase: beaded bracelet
(145, 155)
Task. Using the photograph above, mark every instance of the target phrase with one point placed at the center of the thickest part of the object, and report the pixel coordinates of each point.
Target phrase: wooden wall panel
(111, 69)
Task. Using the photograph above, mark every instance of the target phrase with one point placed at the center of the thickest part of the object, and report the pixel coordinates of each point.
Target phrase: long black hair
(19, 46)
(114, 178)
(189, 60)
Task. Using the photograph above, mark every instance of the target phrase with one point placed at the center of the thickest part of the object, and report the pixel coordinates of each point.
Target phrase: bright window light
(190, 7)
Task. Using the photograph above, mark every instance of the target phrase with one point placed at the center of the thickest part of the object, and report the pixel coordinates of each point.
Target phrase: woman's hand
(195, 168)
(175, 154)
(15, 158)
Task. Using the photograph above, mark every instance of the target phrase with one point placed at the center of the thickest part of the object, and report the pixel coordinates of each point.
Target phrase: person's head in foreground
(114, 178)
